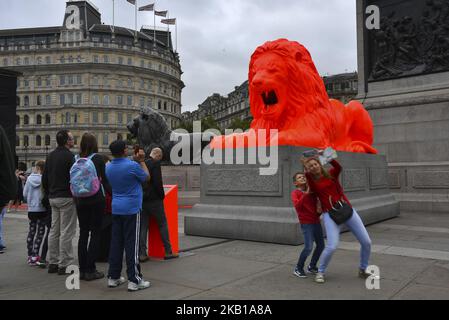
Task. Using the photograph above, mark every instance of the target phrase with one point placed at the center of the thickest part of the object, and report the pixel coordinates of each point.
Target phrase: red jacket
(306, 207)
(326, 188)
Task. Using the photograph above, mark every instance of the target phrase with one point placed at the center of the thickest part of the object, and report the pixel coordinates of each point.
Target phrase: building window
(26, 101)
(106, 59)
(61, 99)
(39, 119)
(129, 100)
(26, 141)
(95, 59)
(95, 117)
(159, 104)
(130, 61)
(18, 61)
(47, 119)
(79, 79)
(106, 100)
(105, 139)
(38, 141)
(142, 64)
(79, 98)
(70, 98)
(95, 81)
(26, 83)
(106, 81)
(120, 118)
(39, 100)
(95, 99)
(47, 140)
(142, 84)
(150, 65)
(165, 106)
(5, 62)
(48, 60)
(17, 141)
(120, 60)
(67, 117)
(129, 117)
(105, 117)
(142, 101)
(26, 61)
(62, 80)
(120, 100)
(18, 120)
(75, 118)
(48, 82)
(39, 82)
(47, 100)
(130, 83)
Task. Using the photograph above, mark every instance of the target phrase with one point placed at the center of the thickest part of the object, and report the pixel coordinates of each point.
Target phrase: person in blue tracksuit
(126, 177)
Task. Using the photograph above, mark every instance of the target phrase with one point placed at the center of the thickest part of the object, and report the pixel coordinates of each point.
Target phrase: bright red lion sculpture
(287, 94)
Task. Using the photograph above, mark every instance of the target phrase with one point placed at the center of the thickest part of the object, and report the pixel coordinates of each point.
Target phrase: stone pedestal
(237, 202)
(410, 112)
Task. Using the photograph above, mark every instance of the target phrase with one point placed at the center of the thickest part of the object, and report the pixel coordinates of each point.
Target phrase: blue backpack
(84, 181)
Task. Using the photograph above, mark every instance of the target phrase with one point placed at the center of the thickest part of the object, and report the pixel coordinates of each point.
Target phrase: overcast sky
(217, 37)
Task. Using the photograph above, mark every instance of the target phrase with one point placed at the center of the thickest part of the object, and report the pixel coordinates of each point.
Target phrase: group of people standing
(117, 198)
(316, 195)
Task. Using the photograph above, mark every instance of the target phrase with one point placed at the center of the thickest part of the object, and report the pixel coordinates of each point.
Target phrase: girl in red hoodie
(306, 207)
(328, 189)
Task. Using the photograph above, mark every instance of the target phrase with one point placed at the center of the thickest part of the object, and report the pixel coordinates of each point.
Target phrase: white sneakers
(138, 286)
(319, 277)
(112, 283)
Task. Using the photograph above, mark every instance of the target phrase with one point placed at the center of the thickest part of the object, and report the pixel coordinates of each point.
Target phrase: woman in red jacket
(306, 207)
(329, 191)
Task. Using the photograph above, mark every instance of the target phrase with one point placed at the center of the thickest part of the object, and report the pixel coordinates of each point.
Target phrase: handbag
(340, 212)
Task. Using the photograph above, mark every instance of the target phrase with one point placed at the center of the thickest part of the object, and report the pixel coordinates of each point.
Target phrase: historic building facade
(342, 87)
(87, 76)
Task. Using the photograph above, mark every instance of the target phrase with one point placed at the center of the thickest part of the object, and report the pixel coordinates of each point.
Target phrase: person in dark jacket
(8, 180)
(90, 213)
(153, 205)
(56, 184)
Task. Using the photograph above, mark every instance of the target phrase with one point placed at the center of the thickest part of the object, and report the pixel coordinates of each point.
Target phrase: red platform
(155, 246)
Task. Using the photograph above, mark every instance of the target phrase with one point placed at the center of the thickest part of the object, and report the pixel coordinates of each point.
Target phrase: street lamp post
(26, 154)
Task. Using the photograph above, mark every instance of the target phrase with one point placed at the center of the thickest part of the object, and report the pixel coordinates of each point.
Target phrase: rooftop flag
(149, 7)
(161, 13)
(169, 21)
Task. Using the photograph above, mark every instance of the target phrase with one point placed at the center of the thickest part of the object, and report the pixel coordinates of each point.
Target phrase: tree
(238, 123)
(188, 126)
(209, 123)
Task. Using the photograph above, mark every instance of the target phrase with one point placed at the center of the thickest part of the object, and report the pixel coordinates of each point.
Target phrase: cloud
(217, 37)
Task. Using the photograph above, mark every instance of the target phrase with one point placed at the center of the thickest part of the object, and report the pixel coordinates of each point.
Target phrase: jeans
(356, 226)
(156, 209)
(311, 232)
(125, 236)
(62, 232)
(2, 214)
(90, 218)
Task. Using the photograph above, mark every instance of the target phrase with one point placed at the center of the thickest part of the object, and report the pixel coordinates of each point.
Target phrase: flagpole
(113, 16)
(154, 29)
(136, 19)
(168, 31)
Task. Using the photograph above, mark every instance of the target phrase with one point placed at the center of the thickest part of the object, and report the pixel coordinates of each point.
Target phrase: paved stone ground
(412, 252)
